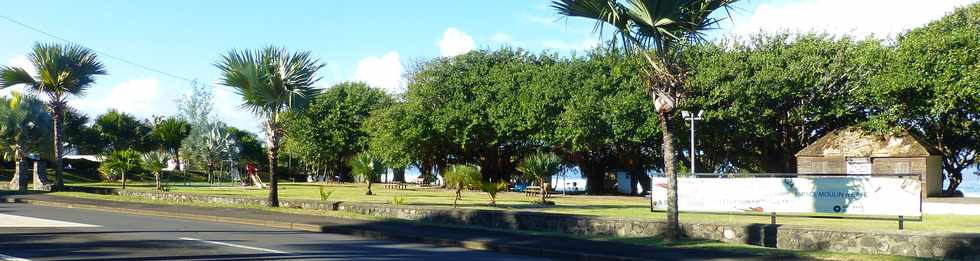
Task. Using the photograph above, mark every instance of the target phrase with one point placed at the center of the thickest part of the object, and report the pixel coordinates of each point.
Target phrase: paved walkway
(547, 246)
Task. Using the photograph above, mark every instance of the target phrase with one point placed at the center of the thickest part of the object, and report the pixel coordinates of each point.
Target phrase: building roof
(854, 142)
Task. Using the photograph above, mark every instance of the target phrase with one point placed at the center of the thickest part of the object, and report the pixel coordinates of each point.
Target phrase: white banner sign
(886, 196)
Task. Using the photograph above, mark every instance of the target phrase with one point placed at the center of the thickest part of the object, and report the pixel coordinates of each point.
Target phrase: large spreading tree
(932, 87)
(271, 82)
(63, 71)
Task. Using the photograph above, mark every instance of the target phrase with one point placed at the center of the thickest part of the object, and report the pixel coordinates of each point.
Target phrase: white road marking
(11, 258)
(236, 245)
(21, 221)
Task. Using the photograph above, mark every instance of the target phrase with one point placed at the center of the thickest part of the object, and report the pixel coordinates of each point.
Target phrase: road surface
(30, 232)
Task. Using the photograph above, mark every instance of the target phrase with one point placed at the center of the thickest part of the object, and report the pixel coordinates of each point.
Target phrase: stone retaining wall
(906, 243)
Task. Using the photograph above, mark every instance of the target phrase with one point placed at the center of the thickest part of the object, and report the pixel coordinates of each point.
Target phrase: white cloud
(383, 72)
(227, 108)
(559, 45)
(140, 97)
(881, 18)
(455, 42)
(502, 38)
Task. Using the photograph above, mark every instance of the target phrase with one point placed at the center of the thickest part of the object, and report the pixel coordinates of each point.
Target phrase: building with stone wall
(856, 152)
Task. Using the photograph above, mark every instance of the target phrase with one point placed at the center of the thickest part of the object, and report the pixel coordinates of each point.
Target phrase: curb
(367, 233)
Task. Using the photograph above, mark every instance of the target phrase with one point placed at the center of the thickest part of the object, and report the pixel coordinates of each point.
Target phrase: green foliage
(768, 97)
(366, 168)
(399, 200)
(931, 87)
(120, 162)
(330, 130)
(492, 188)
(250, 147)
(325, 195)
(25, 127)
(79, 134)
(122, 131)
(170, 132)
(540, 166)
(460, 176)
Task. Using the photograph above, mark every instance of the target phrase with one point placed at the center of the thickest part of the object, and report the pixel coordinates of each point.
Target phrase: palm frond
(10, 76)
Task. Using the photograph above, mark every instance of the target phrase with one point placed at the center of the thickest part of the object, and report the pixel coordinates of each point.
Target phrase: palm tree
(154, 162)
(460, 177)
(540, 166)
(665, 27)
(62, 71)
(122, 161)
(367, 168)
(24, 128)
(271, 82)
(169, 133)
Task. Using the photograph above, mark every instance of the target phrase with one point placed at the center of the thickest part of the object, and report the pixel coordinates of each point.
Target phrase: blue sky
(373, 41)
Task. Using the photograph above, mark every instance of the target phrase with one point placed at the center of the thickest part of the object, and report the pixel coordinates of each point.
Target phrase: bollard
(773, 218)
(901, 222)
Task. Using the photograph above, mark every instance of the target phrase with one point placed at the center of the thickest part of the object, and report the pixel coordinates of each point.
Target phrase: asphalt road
(31, 232)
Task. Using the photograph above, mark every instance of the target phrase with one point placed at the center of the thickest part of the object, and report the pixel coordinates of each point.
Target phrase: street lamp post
(692, 117)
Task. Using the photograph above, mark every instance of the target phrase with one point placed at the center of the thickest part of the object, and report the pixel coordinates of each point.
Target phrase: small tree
(154, 162)
(540, 166)
(492, 188)
(367, 168)
(121, 161)
(460, 177)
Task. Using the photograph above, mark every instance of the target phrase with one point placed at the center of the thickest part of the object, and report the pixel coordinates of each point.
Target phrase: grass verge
(647, 241)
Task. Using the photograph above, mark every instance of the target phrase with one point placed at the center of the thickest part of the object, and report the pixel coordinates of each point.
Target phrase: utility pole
(692, 117)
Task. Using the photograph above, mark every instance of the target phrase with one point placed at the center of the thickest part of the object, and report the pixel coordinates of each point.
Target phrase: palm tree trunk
(544, 191)
(59, 182)
(673, 224)
(156, 175)
(124, 180)
(369, 188)
(273, 179)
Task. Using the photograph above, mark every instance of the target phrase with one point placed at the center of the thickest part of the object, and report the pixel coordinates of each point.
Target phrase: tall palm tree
(25, 127)
(271, 81)
(63, 70)
(664, 27)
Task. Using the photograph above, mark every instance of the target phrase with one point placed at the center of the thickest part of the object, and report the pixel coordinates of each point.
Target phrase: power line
(32, 28)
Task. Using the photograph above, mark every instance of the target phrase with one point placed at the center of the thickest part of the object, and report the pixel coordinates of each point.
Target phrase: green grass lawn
(652, 241)
(610, 206)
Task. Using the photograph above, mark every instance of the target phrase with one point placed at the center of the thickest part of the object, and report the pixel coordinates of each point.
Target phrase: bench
(530, 191)
(399, 185)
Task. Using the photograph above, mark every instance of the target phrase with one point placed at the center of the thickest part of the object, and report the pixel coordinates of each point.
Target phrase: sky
(371, 40)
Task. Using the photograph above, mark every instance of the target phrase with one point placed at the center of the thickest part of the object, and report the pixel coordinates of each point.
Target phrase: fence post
(773, 218)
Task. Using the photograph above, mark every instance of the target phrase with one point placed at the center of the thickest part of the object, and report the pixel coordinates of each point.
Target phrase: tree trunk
(273, 179)
(955, 178)
(544, 191)
(124, 179)
(369, 187)
(673, 224)
(398, 174)
(156, 175)
(59, 182)
(459, 195)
